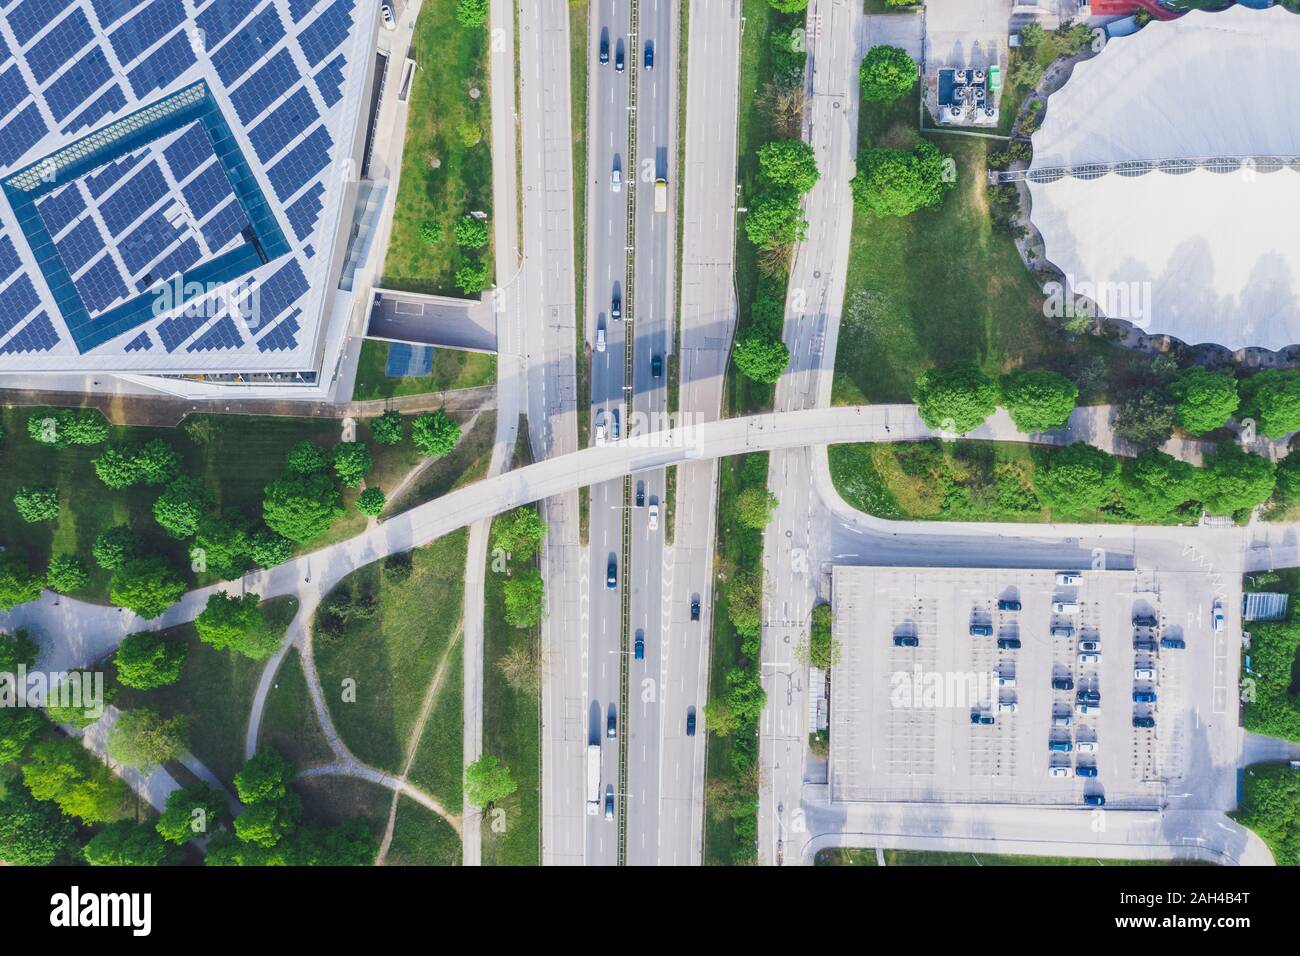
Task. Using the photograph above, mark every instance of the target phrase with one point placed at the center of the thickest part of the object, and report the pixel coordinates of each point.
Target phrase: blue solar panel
(32, 16)
(146, 28)
(141, 343)
(49, 54)
(277, 293)
(135, 197)
(110, 11)
(252, 43)
(296, 169)
(222, 335)
(13, 89)
(326, 32)
(100, 285)
(224, 226)
(163, 65)
(265, 86)
(174, 263)
(60, 207)
(300, 8)
(207, 190)
(218, 20)
(283, 336)
(4, 51)
(285, 123)
(176, 330)
(147, 241)
(329, 80)
(103, 180)
(9, 261)
(20, 134)
(39, 336)
(17, 302)
(189, 151)
(81, 81)
(305, 211)
(82, 243)
(110, 101)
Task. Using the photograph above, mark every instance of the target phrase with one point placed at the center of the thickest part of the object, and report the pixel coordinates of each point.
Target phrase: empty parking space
(1023, 686)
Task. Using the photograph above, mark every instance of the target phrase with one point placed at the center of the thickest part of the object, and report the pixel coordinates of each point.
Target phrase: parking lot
(1020, 686)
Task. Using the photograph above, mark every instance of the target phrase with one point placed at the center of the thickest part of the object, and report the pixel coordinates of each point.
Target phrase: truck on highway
(661, 195)
(593, 780)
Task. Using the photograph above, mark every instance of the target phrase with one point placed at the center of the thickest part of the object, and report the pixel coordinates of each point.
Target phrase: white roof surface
(1215, 256)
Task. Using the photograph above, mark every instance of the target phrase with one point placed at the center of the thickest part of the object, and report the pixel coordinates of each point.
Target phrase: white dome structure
(1166, 178)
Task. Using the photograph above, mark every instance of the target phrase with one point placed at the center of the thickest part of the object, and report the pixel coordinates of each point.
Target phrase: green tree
(471, 13)
(127, 843)
(352, 462)
(435, 433)
(268, 548)
(744, 602)
(473, 277)
(430, 232)
(371, 502)
(1154, 486)
(192, 812)
(471, 233)
(146, 585)
(775, 219)
(62, 770)
(822, 650)
(17, 649)
(487, 780)
(519, 533)
(955, 398)
(265, 776)
(1270, 806)
(754, 507)
(1076, 479)
(1204, 400)
(1272, 399)
(761, 356)
(745, 695)
(301, 508)
(116, 467)
(895, 182)
(345, 844)
(157, 463)
(37, 503)
(112, 548)
(1032, 34)
(1038, 401)
(143, 739)
(1145, 418)
(788, 6)
(33, 832)
(66, 573)
(886, 73)
(388, 428)
(789, 163)
(524, 594)
(180, 506)
(306, 458)
(1234, 480)
(267, 822)
(18, 583)
(221, 546)
(236, 623)
(19, 726)
(147, 660)
(62, 427)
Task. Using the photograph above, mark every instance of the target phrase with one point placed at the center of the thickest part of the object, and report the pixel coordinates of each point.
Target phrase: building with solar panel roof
(179, 181)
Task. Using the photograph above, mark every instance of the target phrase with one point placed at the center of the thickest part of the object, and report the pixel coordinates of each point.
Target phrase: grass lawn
(330, 800)
(511, 732)
(941, 285)
(452, 369)
(439, 766)
(216, 689)
(467, 463)
(289, 723)
(451, 61)
(579, 14)
(422, 838)
(393, 655)
(738, 548)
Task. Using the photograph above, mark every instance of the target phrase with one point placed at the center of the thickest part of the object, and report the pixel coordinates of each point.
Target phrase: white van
(1144, 673)
(1007, 707)
(600, 340)
(1060, 771)
(1090, 657)
(1084, 710)
(1086, 746)
(600, 427)
(616, 180)
(1065, 607)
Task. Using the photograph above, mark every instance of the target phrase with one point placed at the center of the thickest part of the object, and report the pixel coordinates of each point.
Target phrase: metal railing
(1141, 167)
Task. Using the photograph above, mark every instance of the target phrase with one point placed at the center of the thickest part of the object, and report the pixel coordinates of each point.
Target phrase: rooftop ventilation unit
(962, 76)
(979, 76)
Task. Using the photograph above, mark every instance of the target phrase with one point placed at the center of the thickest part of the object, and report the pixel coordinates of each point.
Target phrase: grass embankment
(1270, 805)
(466, 464)
(942, 285)
(394, 634)
(579, 21)
(731, 778)
(447, 156)
(216, 690)
(289, 723)
(452, 369)
(422, 838)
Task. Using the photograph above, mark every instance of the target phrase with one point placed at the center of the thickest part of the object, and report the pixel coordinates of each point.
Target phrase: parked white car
(1090, 658)
(1219, 617)
(1086, 746)
(654, 518)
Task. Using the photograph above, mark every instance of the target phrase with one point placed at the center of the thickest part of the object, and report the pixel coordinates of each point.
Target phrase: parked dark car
(1085, 771)
(1008, 605)
(1144, 721)
(1008, 643)
(657, 366)
(1089, 696)
(1062, 683)
(611, 724)
(1145, 620)
(695, 607)
(609, 802)
(906, 640)
(638, 646)
(604, 47)
(640, 494)
(618, 57)
(616, 307)
(979, 717)
(611, 576)
(1095, 800)
(690, 721)
(1144, 697)
(1172, 643)
(649, 55)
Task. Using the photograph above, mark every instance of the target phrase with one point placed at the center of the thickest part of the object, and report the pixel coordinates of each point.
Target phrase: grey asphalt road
(433, 320)
(608, 101)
